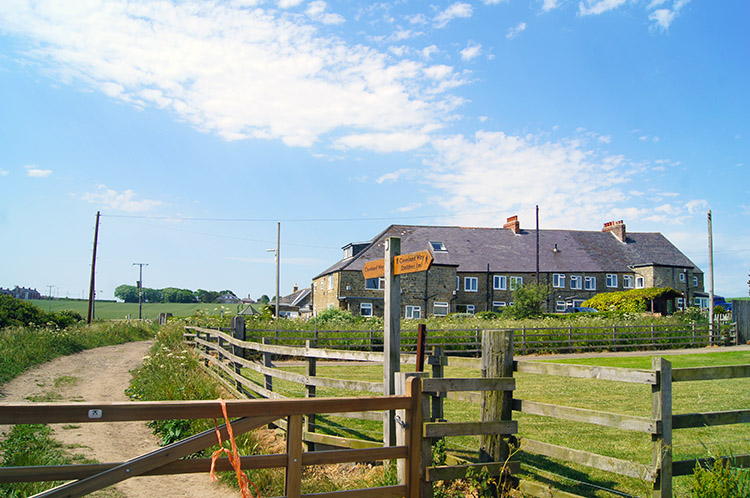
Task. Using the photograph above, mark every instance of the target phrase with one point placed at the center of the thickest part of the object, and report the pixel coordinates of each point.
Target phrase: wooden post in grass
(268, 363)
(421, 340)
(402, 378)
(497, 361)
(311, 370)
(437, 360)
(661, 413)
(392, 335)
(238, 332)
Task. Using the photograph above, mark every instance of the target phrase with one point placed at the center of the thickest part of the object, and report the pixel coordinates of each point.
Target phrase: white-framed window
(330, 282)
(627, 281)
(560, 306)
(470, 308)
(640, 282)
(471, 284)
(515, 282)
(680, 303)
(558, 280)
(701, 302)
(499, 282)
(365, 309)
(695, 281)
(682, 276)
(458, 283)
(414, 312)
(576, 282)
(440, 309)
(498, 305)
(612, 280)
(589, 283)
(465, 308)
(437, 246)
(375, 283)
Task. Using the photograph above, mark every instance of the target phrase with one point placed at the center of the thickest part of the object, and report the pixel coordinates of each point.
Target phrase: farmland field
(109, 310)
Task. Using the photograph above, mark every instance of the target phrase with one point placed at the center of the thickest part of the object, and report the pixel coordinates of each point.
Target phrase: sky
(195, 127)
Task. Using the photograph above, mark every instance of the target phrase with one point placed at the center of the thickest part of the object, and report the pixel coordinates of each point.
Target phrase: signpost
(393, 265)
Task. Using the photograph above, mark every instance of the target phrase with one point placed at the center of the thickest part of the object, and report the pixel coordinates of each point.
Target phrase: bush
(527, 301)
(19, 313)
(634, 301)
(720, 481)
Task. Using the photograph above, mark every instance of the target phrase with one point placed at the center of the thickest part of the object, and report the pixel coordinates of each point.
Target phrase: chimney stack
(616, 228)
(513, 224)
(295, 288)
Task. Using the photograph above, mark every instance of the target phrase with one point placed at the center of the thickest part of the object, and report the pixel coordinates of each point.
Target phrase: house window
(375, 283)
(458, 283)
(470, 284)
(440, 309)
(330, 281)
(365, 309)
(612, 280)
(438, 246)
(499, 282)
(589, 283)
(558, 280)
(560, 306)
(576, 282)
(640, 282)
(414, 312)
(627, 281)
(498, 305)
(465, 308)
(680, 303)
(515, 282)
(682, 277)
(695, 281)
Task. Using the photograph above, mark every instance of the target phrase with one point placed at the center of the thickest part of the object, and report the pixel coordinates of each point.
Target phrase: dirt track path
(102, 374)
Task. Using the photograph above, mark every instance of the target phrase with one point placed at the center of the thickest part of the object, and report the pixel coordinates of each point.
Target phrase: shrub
(19, 313)
(720, 481)
(635, 300)
(528, 299)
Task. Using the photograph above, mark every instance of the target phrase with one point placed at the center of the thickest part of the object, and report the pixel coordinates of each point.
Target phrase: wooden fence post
(311, 370)
(268, 363)
(238, 332)
(497, 361)
(392, 335)
(402, 379)
(294, 456)
(614, 337)
(661, 412)
(437, 360)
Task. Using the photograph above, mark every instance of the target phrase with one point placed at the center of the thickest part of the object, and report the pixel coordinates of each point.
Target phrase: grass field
(109, 310)
(615, 397)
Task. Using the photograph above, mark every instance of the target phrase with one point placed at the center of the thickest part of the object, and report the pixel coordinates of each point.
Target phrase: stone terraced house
(476, 269)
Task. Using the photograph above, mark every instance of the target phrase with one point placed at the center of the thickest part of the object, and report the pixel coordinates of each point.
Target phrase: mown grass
(608, 396)
(24, 347)
(111, 310)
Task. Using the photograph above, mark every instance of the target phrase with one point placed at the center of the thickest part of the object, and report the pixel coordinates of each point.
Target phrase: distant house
(228, 299)
(477, 269)
(21, 293)
(296, 304)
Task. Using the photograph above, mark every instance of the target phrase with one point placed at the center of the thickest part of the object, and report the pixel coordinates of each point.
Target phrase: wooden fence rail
(253, 413)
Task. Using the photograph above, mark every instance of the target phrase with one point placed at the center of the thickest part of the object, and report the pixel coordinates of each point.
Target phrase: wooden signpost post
(391, 267)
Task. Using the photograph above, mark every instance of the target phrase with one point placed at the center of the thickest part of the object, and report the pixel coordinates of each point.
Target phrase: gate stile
(253, 413)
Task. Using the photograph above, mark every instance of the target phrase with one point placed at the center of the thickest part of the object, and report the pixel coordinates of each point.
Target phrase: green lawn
(109, 310)
(616, 397)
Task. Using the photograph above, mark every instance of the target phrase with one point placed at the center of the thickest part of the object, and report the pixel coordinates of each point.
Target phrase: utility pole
(710, 278)
(140, 289)
(92, 291)
(537, 244)
(49, 297)
(278, 262)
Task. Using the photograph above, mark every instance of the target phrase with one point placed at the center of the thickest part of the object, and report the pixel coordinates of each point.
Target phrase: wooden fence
(253, 413)
(528, 340)
(227, 354)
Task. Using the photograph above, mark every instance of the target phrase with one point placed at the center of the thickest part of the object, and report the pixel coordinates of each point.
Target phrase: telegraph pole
(140, 289)
(49, 296)
(710, 278)
(92, 292)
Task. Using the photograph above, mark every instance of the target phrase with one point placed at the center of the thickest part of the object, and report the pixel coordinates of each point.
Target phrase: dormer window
(438, 246)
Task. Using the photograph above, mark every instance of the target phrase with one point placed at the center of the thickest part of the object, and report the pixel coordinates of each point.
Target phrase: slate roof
(472, 249)
(295, 298)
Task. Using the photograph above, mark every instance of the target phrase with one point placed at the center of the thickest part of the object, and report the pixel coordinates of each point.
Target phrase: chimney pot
(616, 228)
(513, 224)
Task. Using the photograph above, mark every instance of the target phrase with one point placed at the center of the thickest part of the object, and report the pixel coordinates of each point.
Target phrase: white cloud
(515, 31)
(548, 5)
(662, 18)
(237, 72)
(411, 207)
(427, 52)
(316, 10)
(593, 7)
(493, 2)
(120, 201)
(286, 4)
(472, 51)
(458, 10)
(418, 19)
(384, 142)
(392, 177)
(35, 172)
(696, 206)
(4, 172)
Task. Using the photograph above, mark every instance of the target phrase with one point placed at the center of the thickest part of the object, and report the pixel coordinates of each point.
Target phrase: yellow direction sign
(412, 263)
(374, 269)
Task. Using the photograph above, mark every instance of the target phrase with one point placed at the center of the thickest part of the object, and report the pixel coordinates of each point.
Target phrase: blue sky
(194, 126)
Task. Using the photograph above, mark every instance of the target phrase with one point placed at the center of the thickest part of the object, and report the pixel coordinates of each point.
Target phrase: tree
(128, 293)
(527, 301)
(264, 299)
(206, 296)
(151, 295)
(175, 295)
(748, 284)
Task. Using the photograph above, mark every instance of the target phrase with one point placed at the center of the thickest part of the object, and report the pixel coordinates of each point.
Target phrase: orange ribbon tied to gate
(233, 455)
